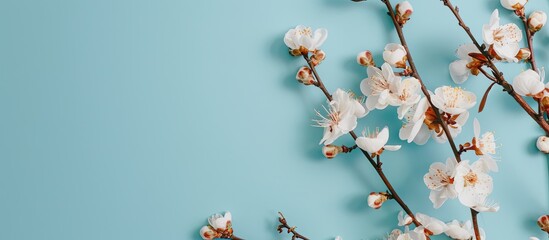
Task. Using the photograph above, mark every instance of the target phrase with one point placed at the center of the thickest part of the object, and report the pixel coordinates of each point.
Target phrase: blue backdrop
(136, 119)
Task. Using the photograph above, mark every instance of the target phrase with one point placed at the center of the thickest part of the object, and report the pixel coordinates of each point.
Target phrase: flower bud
(365, 59)
(543, 223)
(395, 55)
(404, 10)
(537, 20)
(207, 233)
(318, 57)
(330, 151)
(523, 54)
(543, 144)
(375, 200)
(513, 4)
(305, 76)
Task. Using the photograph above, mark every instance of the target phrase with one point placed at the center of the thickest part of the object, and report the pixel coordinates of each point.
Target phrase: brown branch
(492, 78)
(284, 225)
(497, 74)
(374, 164)
(398, 28)
(530, 39)
(236, 238)
(474, 214)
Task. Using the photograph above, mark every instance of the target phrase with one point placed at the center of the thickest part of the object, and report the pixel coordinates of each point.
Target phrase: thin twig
(377, 167)
(284, 225)
(530, 39)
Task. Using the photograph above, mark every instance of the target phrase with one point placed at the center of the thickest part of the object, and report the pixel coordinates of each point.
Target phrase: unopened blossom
(485, 144)
(365, 59)
(376, 142)
(317, 57)
(524, 54)
(301, 39)
(403, 12)
(503, 38)
(429, 225)
(461, 69)
(463, 230)
(440, 180)
(453, 100)
(472, 183)
(529, 83)
(377, 87)
(342, 115)
(395, 55)
(513, 4)
(405, 94)
(219, 227)
(414, 128)
(537, 20)
(376, 199)
(543, 144)
(543, 223)
(305, 75)
(330, 151)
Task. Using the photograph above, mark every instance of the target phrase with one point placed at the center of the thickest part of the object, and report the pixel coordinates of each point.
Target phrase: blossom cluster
(441, 114)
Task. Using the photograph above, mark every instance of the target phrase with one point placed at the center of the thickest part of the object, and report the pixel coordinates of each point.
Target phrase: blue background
(139, 119)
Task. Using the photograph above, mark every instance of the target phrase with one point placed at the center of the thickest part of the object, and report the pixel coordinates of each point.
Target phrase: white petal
(459, 71)
(392, 147)
(476, 127)
(320, 36)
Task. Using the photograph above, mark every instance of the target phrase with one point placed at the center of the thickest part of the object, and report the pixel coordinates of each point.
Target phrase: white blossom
(342, 115)
(460, 70)
(405, 94)
(413, 128)
(302, 37)
(375, 143)
(463, 230)
(453, 100)
(504, 39)
(440, 180)
(377, 87)
(472, 183)
(529, 83)
(429, 225)
(404, 219)
(485, 144)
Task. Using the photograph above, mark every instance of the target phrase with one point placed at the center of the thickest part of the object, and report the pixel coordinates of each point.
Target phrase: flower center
(378, 85)
(453, 97)
(470, 178)
(305, 32)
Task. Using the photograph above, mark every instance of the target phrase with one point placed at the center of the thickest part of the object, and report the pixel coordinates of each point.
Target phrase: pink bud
(365, 59)
(330, 151)
(375, 200)
(404, 10)
(523, 54)
(537, 20)
(543, 223)
(305, 75)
